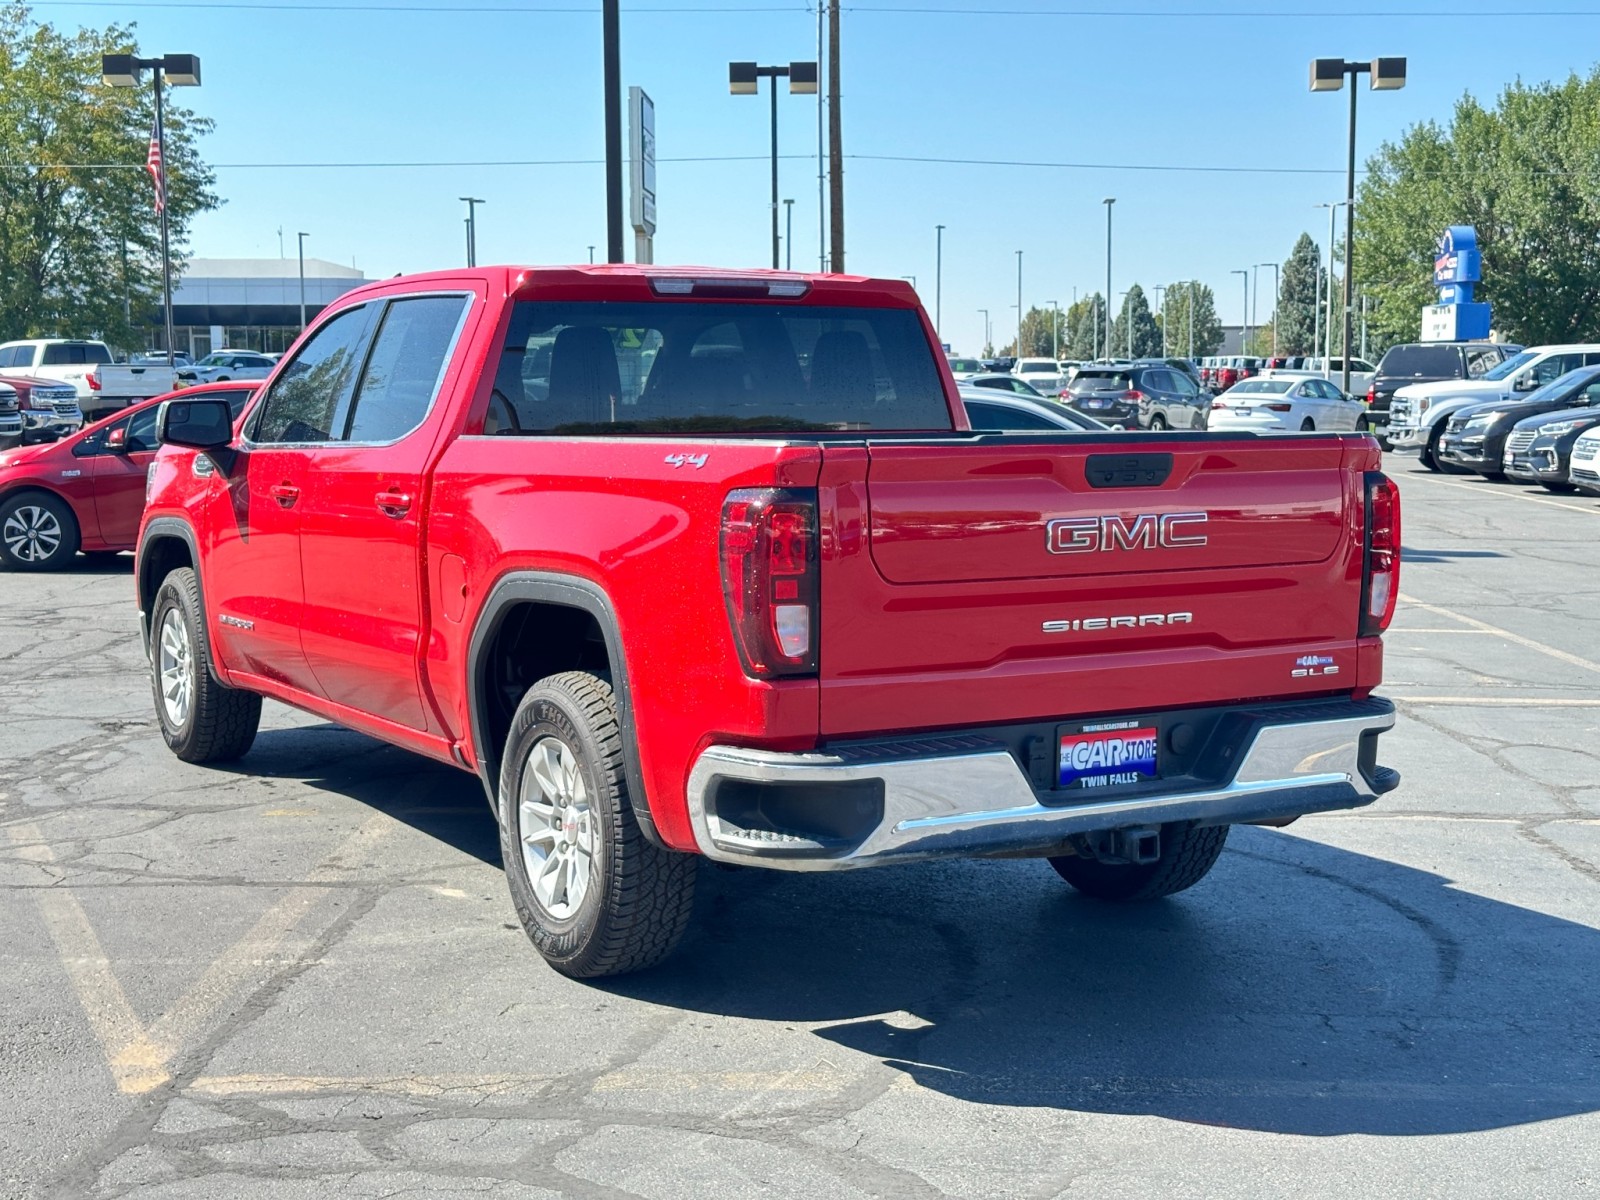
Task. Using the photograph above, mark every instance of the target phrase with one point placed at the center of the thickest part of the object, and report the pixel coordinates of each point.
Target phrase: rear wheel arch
(536, 624)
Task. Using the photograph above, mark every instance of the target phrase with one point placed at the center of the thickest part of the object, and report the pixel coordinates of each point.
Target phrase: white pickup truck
(103, 386)
(1361, 372)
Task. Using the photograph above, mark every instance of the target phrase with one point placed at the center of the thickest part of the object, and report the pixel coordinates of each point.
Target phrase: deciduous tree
(80, 243)
(1207, 328)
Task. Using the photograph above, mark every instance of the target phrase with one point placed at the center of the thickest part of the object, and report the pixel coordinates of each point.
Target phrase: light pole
(1108, 202)
(1244, 321)
(1328, 75)
(1255, 294)
(1274, 313)
(1327, 350)
(301, 238)
(938, 276)
(472, 203)
(1191, 320)
(986, 336)
(744, 79)
(1127, 317)
(591, 256)
(1161, 307)
(1055, 329)
(180, 70)
(788, 235)
(1019, 308)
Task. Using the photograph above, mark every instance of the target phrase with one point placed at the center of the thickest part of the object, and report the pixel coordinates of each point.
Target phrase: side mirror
(1526, 384)
(117, 440)
(200, 423)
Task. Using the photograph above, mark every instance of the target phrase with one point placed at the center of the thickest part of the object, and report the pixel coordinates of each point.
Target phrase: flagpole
(161, 193)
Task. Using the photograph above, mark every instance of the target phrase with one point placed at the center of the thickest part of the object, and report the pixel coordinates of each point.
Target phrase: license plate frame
(1096, 755)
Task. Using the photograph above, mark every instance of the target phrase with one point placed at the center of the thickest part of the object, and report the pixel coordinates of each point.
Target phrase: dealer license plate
(1108, 754)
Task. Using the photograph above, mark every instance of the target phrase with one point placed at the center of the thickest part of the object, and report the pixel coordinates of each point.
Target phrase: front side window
(142, 429)
(1554, 367)
(406, 365)
(664, 367)
(311, 398)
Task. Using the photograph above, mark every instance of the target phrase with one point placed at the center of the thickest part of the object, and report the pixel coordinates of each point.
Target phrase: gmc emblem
(1147, 531)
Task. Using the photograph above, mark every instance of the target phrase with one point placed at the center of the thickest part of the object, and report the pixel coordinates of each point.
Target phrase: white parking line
(1497, 701)
(1504, 634)
(1592, 510)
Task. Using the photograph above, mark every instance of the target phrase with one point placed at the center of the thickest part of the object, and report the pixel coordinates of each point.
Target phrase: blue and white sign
(1457, 268)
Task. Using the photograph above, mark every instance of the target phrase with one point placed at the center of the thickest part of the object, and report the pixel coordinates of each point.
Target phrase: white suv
(1042, 373)
(66, 360)
(1418, 413)
(1584, 474)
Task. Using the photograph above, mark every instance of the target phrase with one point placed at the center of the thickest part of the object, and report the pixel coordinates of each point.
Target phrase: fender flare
(567, 591)
(160, 529)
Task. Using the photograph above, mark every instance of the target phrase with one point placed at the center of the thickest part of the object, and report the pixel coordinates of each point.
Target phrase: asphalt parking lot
(305, 978)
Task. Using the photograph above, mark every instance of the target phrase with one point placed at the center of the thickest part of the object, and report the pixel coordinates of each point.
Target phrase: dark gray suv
(1139, 397)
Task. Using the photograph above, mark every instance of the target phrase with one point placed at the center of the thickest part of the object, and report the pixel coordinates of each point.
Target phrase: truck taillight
(1380, 588)
(769, 579)
(94, 381)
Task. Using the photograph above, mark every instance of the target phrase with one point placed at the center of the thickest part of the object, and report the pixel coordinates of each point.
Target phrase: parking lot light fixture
(302, 239)
(1328, 75)
(1108, 202)
(744, 79)
(1161, 307)
(179, 70)
(986, 336)
(1055, 329)
(472, 203)
(1273, 313)
(1244, 321)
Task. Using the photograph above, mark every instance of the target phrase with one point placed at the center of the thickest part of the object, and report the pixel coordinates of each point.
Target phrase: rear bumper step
(960, 795)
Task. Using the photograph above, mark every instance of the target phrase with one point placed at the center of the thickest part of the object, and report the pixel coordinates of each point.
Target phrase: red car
(86, 490)
(685, 562)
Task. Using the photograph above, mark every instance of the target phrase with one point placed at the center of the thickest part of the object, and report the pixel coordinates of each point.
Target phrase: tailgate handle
(1128, 470)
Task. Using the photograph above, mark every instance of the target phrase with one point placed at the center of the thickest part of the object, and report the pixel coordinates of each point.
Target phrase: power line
(509, 10)
(1204, 14)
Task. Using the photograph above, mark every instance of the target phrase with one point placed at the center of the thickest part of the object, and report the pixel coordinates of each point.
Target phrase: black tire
(37, 532)
(636, 898)
(1430, 453)
(1187, 855)
(1308, 426)
(1561, 489)
(219, 723)
(1158, 422)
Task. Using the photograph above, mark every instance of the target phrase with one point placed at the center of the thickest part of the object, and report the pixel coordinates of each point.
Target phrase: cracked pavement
(302, 977)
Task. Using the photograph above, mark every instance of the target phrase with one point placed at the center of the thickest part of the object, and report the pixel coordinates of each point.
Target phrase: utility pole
(612, 36)
(1109, 201)
(788, 235)
(472, 203)
(822, 170)
(835, 143)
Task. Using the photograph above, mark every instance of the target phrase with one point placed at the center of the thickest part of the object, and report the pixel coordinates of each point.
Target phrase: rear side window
(75, 354)
(576, 367)
(403, 372)
(1001, 417)
(1442, 361)
(311, 397)
(1099, 381)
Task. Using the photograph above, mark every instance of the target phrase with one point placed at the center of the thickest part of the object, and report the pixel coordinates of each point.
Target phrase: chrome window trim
(246, 443)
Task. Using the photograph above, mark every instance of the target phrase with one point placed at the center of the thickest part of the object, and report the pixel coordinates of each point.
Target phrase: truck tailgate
(1001, 580)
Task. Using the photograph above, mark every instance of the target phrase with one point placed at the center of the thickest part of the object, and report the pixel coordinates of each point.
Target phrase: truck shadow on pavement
(1299, 989)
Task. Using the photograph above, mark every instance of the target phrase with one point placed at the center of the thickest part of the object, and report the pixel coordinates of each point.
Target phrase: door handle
(286, 494)
(393, 504)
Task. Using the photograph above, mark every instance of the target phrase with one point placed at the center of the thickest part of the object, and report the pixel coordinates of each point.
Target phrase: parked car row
(84, 491)
(1531, 438)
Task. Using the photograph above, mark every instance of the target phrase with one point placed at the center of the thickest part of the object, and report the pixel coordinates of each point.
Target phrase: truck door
(361, 541)
(254, 582)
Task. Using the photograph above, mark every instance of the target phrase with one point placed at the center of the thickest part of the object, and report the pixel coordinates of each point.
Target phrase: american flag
(154, 165)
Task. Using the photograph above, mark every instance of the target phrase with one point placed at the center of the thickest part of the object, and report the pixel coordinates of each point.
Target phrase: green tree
(1207, 327)
(1146, 341)
(1526, 175)
(1296, 312)
(1040, 330)
(1084, 328)
(68, 226)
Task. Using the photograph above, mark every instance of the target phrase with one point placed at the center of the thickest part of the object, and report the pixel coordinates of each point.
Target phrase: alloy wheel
(176, 668)
(32, 533)
(556, 828)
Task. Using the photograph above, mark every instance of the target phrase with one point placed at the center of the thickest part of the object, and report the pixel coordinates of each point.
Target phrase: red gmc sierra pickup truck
(691, 563)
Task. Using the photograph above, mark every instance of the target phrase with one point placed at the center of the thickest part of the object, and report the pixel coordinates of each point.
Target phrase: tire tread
(224, 720)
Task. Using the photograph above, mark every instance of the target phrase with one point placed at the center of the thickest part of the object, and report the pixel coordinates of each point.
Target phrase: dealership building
(251, 303)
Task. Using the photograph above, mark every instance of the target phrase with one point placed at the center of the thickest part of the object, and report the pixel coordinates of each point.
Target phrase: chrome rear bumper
(958, 797)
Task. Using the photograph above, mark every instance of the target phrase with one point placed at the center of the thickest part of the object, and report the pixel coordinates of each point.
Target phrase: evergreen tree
(1146, 341)
(1296, 313)
(1207, 327)
(1085, 329)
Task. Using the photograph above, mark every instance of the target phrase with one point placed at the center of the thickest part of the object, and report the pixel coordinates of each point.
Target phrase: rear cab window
(75, 354)
(701, 366)
(1443, 361)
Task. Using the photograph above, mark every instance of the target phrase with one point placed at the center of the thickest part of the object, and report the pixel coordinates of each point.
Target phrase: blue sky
(1149, 83)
